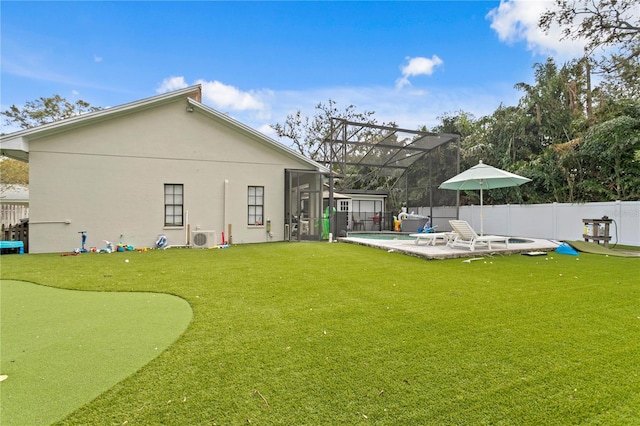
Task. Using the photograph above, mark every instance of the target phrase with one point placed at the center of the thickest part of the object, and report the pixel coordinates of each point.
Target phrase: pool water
(382, 236)
(400, 236)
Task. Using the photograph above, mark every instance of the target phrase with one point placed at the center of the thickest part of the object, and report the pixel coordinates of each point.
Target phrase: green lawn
(318, 333)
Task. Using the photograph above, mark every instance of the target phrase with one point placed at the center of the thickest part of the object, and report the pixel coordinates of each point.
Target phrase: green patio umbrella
(483, 176)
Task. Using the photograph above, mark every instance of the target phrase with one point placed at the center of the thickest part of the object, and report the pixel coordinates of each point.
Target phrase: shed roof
(14, 194)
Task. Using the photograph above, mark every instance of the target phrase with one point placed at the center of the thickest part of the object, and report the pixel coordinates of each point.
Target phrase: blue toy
(84, 241)
(427, 228)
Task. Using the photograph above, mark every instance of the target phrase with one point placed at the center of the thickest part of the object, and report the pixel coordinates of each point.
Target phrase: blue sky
(409, 62)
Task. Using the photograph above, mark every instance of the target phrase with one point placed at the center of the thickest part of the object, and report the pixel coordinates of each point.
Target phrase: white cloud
(266, 129)
(171, 83)
(417, 66)
(517, 20)
(219, 95)
(229, 97)
(97, 58)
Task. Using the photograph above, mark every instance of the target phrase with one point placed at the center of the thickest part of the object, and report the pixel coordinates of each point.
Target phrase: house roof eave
(15, 148)
(261, 137)
(84, 119)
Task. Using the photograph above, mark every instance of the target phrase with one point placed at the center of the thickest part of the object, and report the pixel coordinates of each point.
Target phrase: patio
(441, 251)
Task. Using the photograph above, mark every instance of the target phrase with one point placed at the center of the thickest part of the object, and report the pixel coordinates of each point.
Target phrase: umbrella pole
(481, 214)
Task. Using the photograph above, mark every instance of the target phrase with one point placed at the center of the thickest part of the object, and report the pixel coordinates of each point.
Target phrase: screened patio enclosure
(303, 205)
(404, 166)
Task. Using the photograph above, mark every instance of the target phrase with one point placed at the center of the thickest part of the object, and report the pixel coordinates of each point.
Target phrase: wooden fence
(19, 232)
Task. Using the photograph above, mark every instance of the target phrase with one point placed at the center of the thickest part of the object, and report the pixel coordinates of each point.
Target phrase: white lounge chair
(467, 237)
(432, 237)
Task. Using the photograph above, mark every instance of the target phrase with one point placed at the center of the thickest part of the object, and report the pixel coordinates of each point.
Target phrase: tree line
(577, 144)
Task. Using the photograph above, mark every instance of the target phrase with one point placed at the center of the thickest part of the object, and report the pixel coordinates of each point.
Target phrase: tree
(546, 129)
(494, 138)
(13, 173)
(603, 24)
(307, 134)
(555, 105)
(45, 110)
(609, 153)
(462, 123)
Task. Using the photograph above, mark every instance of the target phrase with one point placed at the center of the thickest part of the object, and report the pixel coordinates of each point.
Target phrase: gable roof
(16, 145)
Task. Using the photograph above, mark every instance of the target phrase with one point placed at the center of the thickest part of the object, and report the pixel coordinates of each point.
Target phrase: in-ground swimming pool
(401, 236)
(381, 236)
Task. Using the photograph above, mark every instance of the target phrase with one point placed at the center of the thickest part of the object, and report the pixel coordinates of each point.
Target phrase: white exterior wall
(108, 179)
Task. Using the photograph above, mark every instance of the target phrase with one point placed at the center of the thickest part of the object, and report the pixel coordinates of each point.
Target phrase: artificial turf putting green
(62, 348)
(589, 247)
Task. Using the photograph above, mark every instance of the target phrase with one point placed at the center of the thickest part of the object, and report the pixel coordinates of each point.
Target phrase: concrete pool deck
(442, 251)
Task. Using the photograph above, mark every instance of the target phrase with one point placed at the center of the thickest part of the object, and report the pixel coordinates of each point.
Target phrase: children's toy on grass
(108, 248)
(82, 249)
(75, 252)
(161, 242)
(221, 246)
(121, 247)
(84, 241)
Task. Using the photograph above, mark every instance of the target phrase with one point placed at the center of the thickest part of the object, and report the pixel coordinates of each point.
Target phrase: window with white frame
(255, 203)
(173, 204)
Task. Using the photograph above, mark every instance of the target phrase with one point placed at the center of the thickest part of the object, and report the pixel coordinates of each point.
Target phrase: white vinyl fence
(11, 214)
(556, 221)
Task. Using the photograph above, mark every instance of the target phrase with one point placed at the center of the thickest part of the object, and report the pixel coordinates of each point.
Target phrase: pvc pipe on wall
(40, 222)
(225, 205)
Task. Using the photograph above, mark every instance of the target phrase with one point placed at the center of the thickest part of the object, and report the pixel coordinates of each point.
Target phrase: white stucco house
(166, 165)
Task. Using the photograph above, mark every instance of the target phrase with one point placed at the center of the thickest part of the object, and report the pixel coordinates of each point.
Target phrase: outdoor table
(597, 230)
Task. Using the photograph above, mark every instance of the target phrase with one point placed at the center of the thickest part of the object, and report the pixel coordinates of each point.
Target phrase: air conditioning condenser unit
(203, 239)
